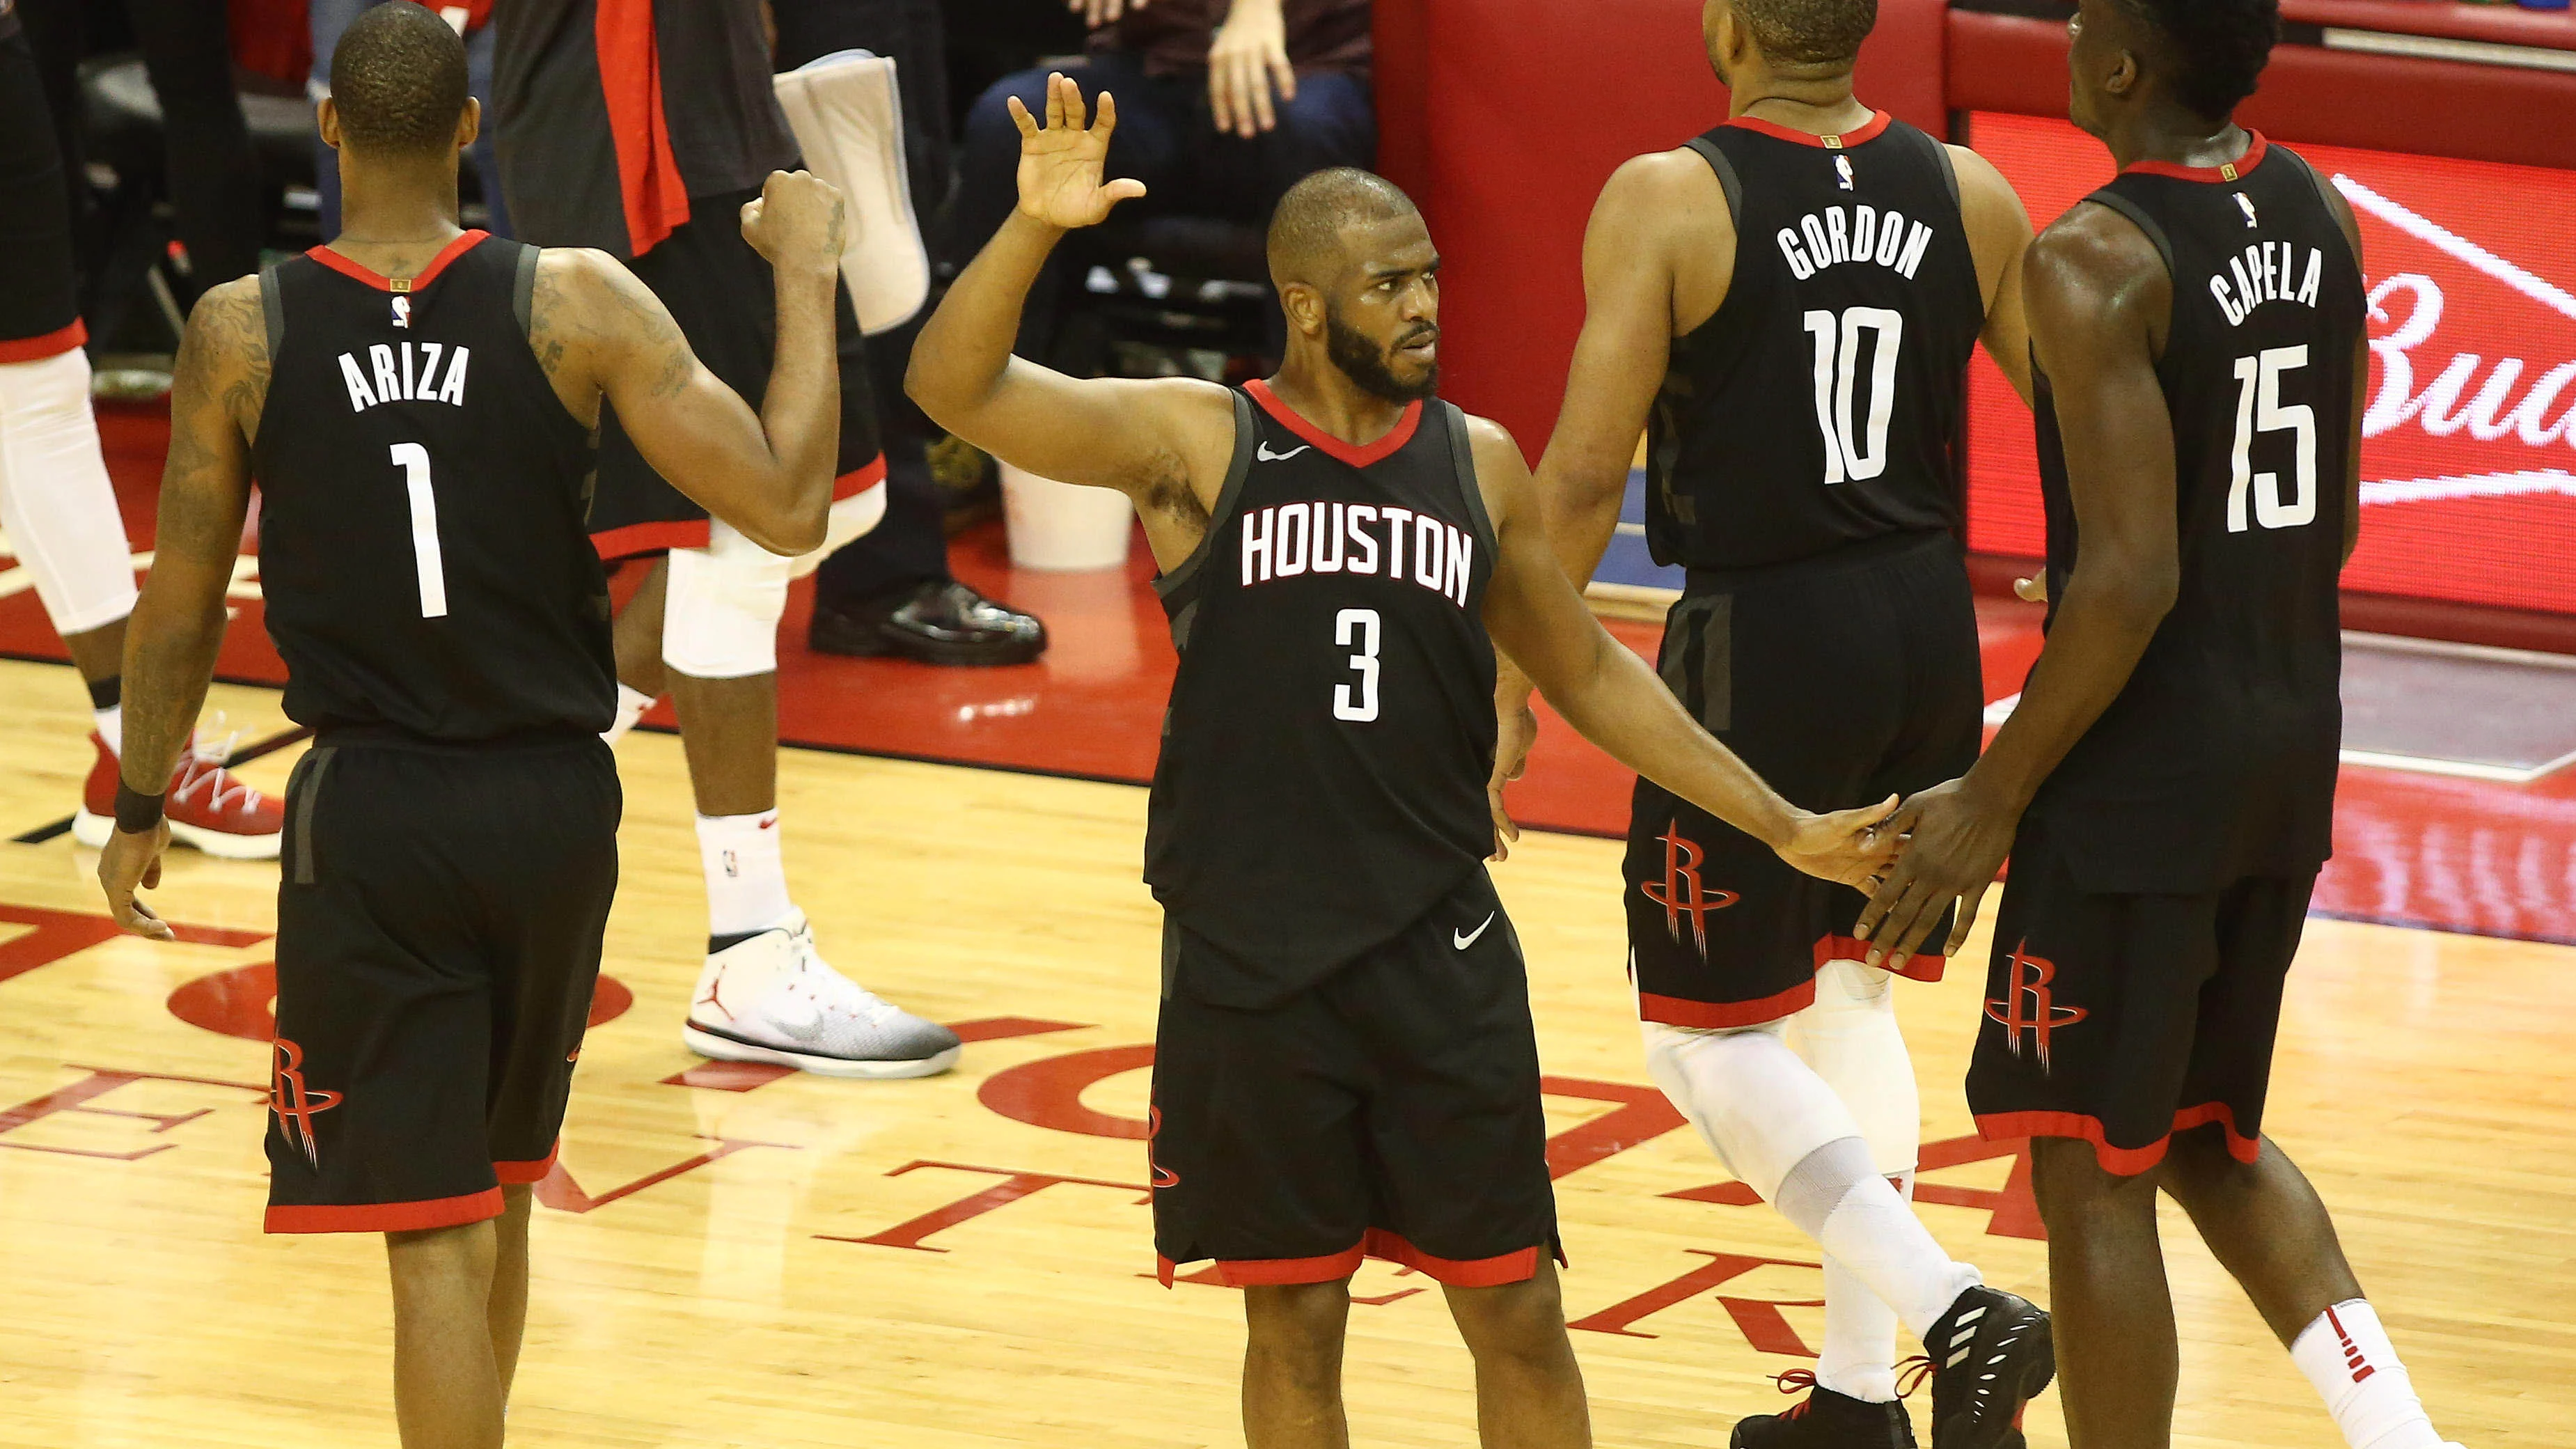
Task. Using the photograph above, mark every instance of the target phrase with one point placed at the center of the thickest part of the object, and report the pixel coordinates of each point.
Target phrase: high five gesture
(1060, 164)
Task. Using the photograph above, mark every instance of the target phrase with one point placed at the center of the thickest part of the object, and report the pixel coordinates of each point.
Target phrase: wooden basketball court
(725, 1257)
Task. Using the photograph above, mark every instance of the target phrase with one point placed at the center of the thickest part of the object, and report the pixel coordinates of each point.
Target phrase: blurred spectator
(1217, 119)
(212, 176)
(329, 18)
(891, 592)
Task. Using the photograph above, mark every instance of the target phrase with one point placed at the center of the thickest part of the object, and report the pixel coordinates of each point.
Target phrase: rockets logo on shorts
(294, 1103)
(1680, 892)
(2029, 1005)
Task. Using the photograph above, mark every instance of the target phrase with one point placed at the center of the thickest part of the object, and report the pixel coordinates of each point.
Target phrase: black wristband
(136, 811)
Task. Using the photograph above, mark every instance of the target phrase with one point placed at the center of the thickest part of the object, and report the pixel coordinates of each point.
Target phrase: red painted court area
(2411, 849)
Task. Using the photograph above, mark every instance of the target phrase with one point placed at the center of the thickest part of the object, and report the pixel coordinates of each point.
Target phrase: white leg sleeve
(721, 608)
(56, 504)
(1851, 1038)
(1759, 1108)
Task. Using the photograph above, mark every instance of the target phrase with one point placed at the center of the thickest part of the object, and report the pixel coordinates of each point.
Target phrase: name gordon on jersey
(2262, 274)
(405, 372)
(1840, 234)
(1286, 540)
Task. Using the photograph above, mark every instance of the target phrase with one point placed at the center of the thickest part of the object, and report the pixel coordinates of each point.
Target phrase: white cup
(1063, 527)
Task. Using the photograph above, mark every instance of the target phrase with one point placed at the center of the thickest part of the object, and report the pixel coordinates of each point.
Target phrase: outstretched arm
(2100, 300)
(1615, 699)
(600, 332)
(1141, 437)
(178, 623)
(1628, 328)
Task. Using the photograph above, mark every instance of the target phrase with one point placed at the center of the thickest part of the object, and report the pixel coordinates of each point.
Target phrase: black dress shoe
(938, 621)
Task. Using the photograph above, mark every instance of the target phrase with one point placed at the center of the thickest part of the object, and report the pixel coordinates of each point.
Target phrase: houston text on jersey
(1288, 539)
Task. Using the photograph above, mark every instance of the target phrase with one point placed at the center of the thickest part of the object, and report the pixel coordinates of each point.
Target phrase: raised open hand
(1060, 164)
(1850, 846)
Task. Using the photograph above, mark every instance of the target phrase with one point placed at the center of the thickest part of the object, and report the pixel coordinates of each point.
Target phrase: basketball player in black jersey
(1787, 305)
(1345, 1065)
(416, 404)
(2166, 787)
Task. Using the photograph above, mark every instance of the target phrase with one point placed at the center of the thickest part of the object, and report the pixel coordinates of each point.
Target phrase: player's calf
(1529, 1390)
(1292, 1365)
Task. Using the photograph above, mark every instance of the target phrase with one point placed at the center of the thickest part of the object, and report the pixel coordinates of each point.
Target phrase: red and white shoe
(206, 806)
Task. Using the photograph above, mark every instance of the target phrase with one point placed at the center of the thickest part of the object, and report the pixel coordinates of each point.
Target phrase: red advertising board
(2469, 456)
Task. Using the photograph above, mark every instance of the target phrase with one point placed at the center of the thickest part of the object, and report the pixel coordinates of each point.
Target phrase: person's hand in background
(1097, 13)
(1248, 57)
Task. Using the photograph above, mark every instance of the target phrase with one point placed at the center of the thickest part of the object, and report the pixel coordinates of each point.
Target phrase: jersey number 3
(1857, 453)
(2259, 410)
(413, 459)
(1357, 628)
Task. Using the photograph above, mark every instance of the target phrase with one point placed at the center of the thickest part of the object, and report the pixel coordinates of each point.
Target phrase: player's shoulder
(2093, 243)
(1981, 182)
(1493, 447)
(1660, 179)
(231, 313)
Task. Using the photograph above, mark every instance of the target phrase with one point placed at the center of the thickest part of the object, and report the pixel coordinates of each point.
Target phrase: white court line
(2474, 485)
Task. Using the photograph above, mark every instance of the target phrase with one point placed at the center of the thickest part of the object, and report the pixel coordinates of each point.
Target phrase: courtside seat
(1172, 281)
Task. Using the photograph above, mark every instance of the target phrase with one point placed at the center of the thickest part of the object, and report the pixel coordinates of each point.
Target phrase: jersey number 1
(2259, 410)
(413, 459)
(1857, 453)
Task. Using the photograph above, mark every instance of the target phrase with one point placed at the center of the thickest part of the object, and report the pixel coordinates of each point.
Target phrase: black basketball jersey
(1819, 405)
(423, 489)
(1331, 729)
(2217, 760)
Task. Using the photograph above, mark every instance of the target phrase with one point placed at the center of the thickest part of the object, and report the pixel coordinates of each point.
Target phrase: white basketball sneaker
(774, 999)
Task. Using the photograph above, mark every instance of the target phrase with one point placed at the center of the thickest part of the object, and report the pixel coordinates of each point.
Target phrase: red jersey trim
(520, 1174)
(642, 538)
(385, 1217)
(1513, 1267)
(1728, 1015)
(1922, 966)
(465, 242)
(2118, 1161)
(2224, 174)
(1358, 455)
(630, 85)
(1871, 130)
(50, 344)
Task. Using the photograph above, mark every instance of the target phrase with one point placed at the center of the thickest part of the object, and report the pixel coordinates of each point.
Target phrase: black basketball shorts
(723, 296)
(2123, 1019)
(39, 305)
(1390, 1111)
(1841, 682)
(439, 915)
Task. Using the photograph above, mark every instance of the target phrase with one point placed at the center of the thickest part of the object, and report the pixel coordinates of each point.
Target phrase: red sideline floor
(2411, 849)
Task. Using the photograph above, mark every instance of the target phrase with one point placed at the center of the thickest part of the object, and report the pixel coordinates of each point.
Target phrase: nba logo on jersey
(402, 310)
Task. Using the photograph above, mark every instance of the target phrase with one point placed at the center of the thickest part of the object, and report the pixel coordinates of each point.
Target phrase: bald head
(398, 82)
(1306, 232)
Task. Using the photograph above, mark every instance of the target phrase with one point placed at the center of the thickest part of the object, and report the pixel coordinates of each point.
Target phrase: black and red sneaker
(1991, 1354)
(1825, 1420)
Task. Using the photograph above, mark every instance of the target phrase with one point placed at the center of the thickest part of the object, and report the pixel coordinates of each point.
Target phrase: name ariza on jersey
(405, 372)
(1285, 540)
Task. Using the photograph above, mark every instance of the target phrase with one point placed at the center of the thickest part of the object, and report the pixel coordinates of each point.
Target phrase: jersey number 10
(1855, 453)
(2259, 410)
(413, 459)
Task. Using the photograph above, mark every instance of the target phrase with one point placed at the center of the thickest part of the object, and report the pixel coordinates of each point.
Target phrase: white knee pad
(721, 607)
(1850, 1036)
(850, 519)
(1760, 1108)
(56, 504)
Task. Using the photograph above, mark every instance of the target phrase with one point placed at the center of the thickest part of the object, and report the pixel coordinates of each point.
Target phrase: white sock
(1858, 1356)
(746, 877)
(110, 723)
(1850, 1036)
(2347, 1355)
(631, 704)
(1839, 1199)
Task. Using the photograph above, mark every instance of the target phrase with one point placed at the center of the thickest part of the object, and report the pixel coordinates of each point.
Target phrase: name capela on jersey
(405, 372)
(1285, 540)
(1839, 234)
(2262, 274)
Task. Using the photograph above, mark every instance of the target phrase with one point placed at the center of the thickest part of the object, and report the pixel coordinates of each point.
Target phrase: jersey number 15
(2259, 410)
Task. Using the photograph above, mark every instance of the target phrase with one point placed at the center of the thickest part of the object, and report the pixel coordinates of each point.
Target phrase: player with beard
(2166, 786)
(1345, 1065)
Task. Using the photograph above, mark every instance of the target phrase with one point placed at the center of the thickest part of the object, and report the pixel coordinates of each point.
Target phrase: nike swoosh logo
(1265, 455)
(1464, 939)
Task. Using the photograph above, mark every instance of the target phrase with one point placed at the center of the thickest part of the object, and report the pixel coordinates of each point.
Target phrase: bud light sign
(2468, 455)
